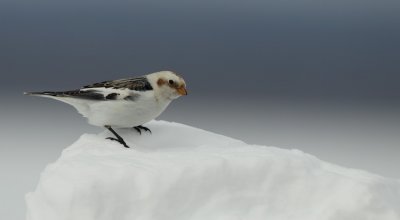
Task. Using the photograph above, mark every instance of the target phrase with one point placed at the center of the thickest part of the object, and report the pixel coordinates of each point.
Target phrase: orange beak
(182, 90)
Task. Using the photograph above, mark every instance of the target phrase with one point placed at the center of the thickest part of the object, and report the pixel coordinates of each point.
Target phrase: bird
(123, 103)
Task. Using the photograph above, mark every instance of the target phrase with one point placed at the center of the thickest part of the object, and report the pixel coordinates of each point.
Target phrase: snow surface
(181, 172)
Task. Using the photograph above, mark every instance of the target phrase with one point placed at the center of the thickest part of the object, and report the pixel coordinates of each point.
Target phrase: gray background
(319, 76)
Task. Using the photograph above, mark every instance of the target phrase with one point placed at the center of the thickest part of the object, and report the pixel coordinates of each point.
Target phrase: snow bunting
(123, 103)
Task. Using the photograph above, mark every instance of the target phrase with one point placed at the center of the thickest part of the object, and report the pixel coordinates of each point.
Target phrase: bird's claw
(140, 128)
(119, 141)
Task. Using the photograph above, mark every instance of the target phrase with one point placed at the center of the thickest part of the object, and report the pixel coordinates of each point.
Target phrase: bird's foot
(121, 141)
(140, 128)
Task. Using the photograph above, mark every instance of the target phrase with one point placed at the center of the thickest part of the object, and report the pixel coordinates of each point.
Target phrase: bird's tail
(64, 97)
(45, 93)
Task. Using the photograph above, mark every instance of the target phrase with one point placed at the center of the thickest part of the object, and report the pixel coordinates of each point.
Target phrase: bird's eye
(171, 81)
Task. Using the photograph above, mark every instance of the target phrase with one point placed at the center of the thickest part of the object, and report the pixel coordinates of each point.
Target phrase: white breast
(126, 113)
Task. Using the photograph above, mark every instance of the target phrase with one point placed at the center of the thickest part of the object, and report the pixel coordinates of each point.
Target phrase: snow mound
(181, 173)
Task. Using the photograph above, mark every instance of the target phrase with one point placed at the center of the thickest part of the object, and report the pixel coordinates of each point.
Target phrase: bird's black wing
(137, 84)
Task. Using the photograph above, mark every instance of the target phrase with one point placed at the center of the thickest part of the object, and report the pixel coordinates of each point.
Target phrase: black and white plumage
(123, 103)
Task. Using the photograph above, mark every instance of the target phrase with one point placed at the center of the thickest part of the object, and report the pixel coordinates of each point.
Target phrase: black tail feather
(45, 93)
(85, 94)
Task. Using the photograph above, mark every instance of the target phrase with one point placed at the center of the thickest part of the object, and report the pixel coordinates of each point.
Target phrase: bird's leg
(119, 138)
(140, 128)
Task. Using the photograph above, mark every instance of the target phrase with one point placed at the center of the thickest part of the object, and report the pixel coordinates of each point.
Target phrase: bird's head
(168, 84)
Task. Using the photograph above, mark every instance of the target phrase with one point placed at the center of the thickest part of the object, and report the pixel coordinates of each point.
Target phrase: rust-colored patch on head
(161, 82)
